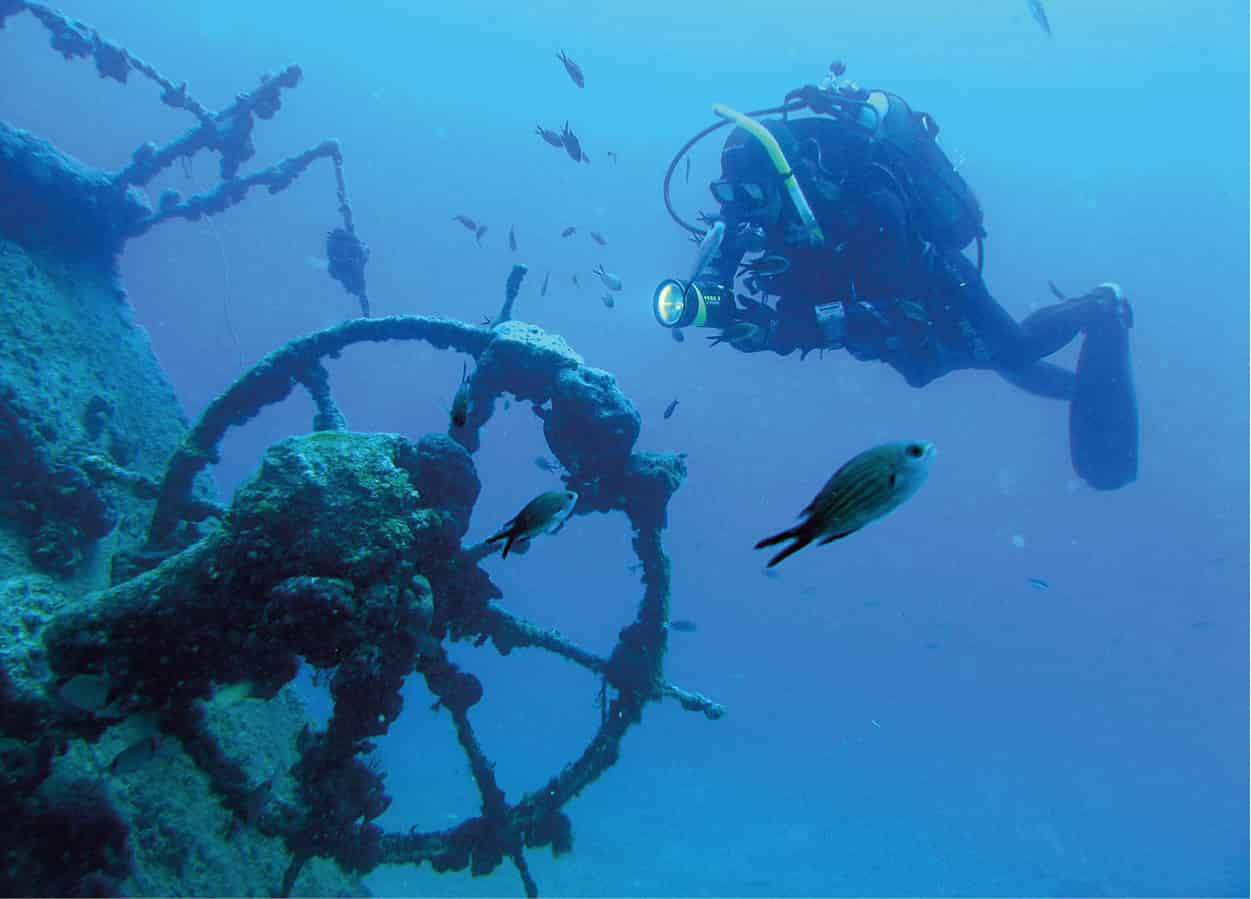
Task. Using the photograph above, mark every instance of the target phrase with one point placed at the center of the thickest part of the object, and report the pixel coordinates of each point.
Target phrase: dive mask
(743, 194)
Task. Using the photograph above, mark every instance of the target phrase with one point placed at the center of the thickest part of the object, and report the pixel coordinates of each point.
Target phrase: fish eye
(915, 450)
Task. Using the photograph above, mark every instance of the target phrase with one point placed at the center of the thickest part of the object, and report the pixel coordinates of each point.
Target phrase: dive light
(691, 304)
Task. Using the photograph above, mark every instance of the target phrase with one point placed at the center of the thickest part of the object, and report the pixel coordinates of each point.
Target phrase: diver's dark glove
(746, 337)
(813, 97)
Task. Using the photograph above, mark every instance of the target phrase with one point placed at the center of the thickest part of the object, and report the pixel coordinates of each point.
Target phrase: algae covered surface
(87, 419)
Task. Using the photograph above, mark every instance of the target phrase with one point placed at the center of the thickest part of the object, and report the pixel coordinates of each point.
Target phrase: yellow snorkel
(770, 144)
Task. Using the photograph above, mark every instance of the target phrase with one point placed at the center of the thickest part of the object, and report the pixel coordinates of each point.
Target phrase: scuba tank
(946, 210)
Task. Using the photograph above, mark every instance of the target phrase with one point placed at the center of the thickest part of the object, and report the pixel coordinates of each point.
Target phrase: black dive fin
(1103, 415)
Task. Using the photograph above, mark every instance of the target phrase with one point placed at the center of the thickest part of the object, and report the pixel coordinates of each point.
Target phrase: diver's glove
(816, 99)
(746, 337)
(755, 329)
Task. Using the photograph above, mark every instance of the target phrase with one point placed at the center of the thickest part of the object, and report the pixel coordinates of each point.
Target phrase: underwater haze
(1014, 684)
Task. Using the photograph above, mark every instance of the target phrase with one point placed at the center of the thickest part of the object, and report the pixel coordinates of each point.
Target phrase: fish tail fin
(508, 545)
(778, 538)
(800, 542)
(505, 531)
(799, 534)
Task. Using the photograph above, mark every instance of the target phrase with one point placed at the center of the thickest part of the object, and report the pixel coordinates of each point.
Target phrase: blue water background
(906, 713)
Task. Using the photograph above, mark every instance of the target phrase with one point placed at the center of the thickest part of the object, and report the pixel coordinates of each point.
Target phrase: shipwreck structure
(137, 610)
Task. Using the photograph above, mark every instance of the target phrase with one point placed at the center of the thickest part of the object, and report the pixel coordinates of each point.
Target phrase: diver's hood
(744, 159)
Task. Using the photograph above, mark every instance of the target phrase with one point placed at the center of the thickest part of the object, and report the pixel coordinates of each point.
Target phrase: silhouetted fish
(574, 70)
(545, 514)
(572, 145)
(551, 137)
(512, 239)
(1040, 15)
(599, 238)
(134, 756)
(460, 402)
(670, 409)
(611, 281)
(543, 289)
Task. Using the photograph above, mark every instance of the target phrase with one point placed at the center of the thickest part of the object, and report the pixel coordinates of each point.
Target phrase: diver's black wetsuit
(906, 298)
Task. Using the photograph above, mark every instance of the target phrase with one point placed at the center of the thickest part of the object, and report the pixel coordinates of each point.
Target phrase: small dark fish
(134, 756)
(482, 229)
(543, 289)
(1040, 15)
(765, 266)
(611, 281)
(599, 238)
(512, 239)
(89, 692)
(569, 232)
(575, 280)
(460, 402)
(466, 221)
(572, 145)
(551, 137)
(837, 68)
(1039, 584)
(670, 409)
(546, 464)
(870, 485)
(608, 300)
(687, 176)
(677, 335)
(613, 156)
(681, 625)
(574, 70)
(545, 514)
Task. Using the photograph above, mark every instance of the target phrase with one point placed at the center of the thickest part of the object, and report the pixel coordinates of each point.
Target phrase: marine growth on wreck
(137, 606)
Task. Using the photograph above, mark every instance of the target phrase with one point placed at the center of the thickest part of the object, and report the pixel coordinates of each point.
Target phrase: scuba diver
(857, 224)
